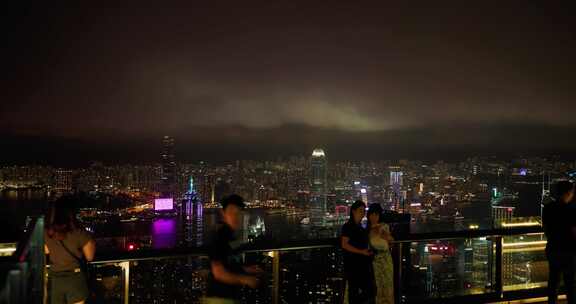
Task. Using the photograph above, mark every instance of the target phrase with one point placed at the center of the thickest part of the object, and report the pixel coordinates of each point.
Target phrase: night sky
(263, 79)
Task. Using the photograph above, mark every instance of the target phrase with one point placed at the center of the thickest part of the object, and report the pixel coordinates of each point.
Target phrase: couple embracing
(368, 266)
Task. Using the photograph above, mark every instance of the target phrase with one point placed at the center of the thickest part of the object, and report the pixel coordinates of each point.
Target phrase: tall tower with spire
(190, 203)
(191, 216)
(318, 183)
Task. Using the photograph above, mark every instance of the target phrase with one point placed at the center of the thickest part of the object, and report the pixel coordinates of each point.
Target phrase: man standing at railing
(228, 274)
(559, 220)
(357, 258)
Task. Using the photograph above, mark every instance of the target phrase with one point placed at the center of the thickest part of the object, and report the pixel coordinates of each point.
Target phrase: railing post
(126, 270)
(398, 273)
(45, 286)
(275, 277)
(499, 284)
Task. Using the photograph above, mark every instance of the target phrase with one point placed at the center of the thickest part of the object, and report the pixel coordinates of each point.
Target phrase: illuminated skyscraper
(396, 177)
(396, 182)
(192, 215)
(364, 195)
(190, 201)
(168, 182)
(63, 181)
(222, 189)
(207, 187)
(318, 182)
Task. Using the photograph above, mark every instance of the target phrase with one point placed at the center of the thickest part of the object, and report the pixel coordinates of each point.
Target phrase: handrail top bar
(264, 246)
(473, 233)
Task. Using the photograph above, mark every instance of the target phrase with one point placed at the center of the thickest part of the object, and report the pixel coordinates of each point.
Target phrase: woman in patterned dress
(380, 239)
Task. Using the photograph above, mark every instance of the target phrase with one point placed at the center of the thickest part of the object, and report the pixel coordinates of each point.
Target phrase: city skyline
(68, 153)
(276, 77)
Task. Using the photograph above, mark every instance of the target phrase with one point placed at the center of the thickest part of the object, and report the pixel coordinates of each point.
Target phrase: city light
(523, 244)
(522, 224)
(7, 251)
(318, 153)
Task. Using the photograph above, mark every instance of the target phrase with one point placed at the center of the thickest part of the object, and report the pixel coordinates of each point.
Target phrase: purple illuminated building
(191, 207)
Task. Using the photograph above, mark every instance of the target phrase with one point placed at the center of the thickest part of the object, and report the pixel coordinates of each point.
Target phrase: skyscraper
(396, 177)
(191, 216)
(318, 183)
(168, 181)
(63, 182)
(222, 189)
(364, 195)
(190, 201)
(396, 182)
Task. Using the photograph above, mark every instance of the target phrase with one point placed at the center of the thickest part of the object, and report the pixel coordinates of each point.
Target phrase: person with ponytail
(69, 247)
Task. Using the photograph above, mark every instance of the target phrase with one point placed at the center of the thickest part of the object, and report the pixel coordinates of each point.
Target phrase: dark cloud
(236, 74)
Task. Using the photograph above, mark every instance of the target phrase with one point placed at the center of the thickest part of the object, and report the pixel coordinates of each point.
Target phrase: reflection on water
(23, 195)
(23, 201)
(164, 233)
(16, 204)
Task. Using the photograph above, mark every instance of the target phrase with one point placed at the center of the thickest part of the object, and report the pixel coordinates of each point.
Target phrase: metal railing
(442, 267)
(475, 265)
(22, 273)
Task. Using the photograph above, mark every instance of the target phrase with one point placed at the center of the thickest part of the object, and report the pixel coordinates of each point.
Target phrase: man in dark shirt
(357, 257)
(227, 271)
(559, 221)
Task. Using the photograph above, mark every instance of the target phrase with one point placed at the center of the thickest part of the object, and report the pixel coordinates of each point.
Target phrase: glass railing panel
(22, 266)
(35, 260)
(174, 280)
(161, 280)
(311, 276)
(266, 288)
(447, 268)
(107, 282)
(524, 264)
(184, 279)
